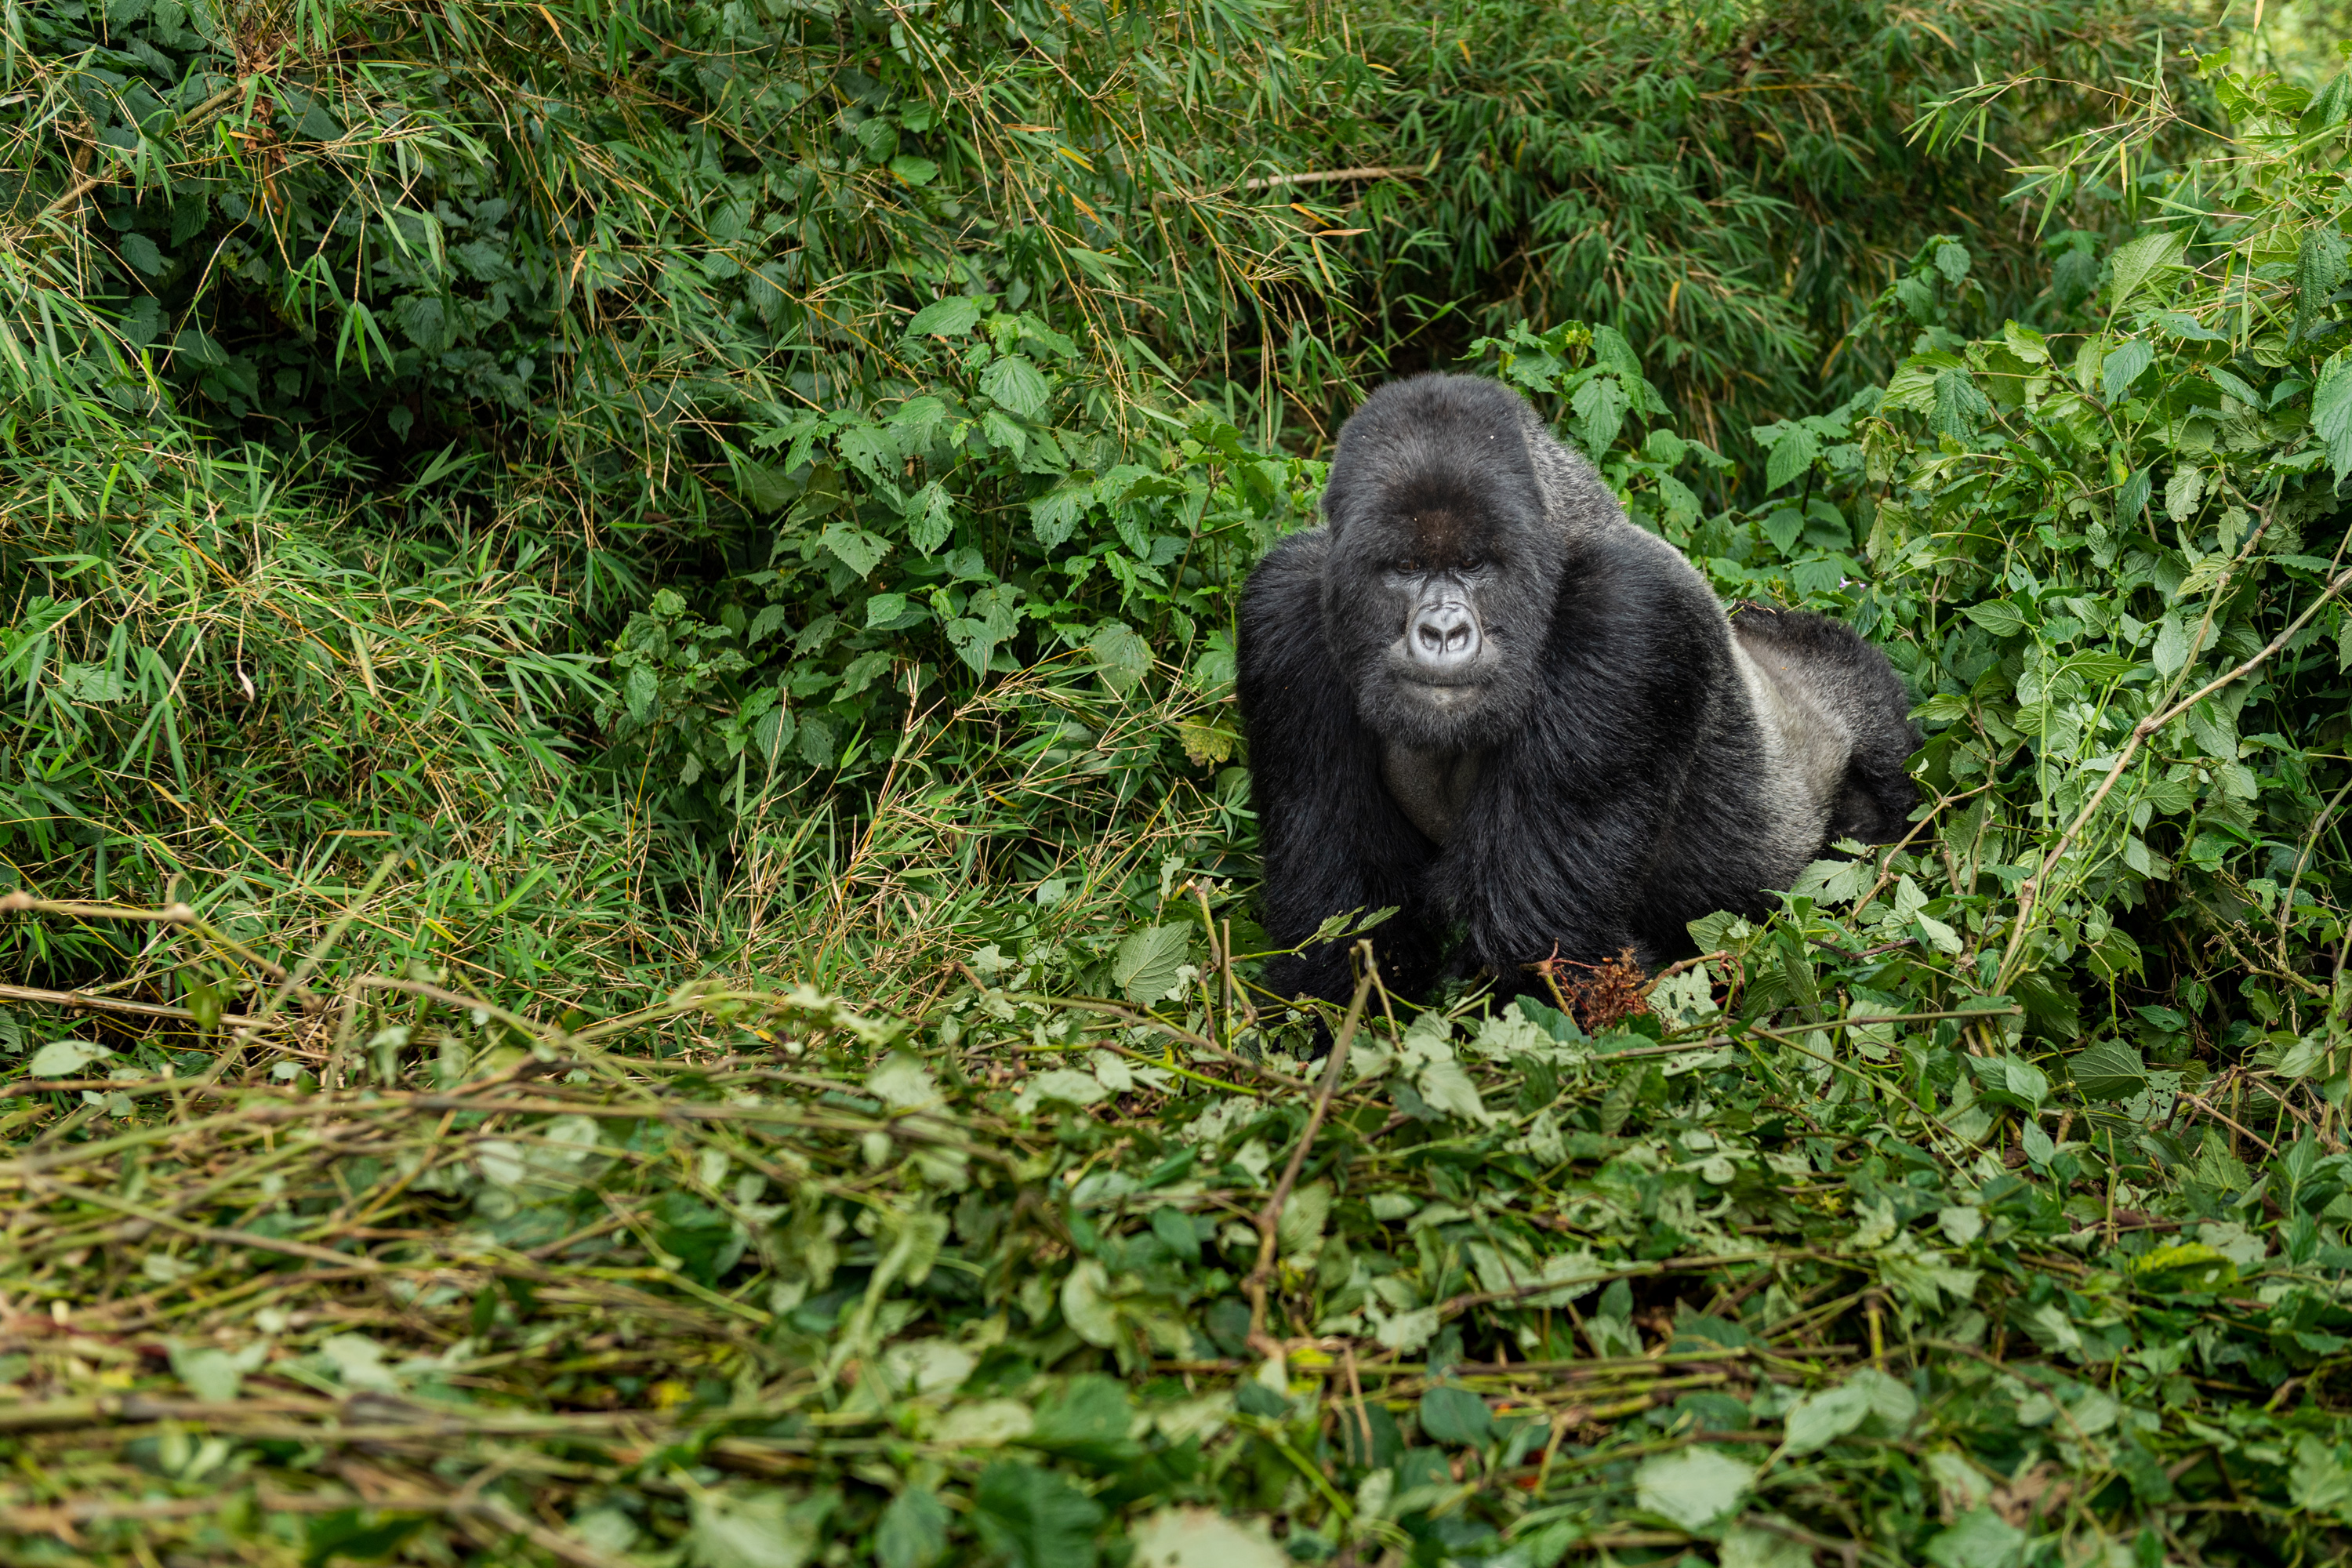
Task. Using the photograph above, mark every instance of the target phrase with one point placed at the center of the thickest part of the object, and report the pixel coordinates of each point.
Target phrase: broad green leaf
(1695, 1488)
(1960, 406)
(1792, 456)
(984, 1423)
(1017, 385)
(1820, 1419)
(1455, 1416)
(2329, 105)
(2000, 617)
(1086, 1305)
(2027, 1083)
(1202, 1538)
(914, 1531)
(2319, 270)
(2182, 492)
(761, 1528)
(142, 253)
(855, 547)
(2124, 365)
(1145, 965)
(1091, 1418)
(1033, 1518)
(2109, 1070)
(2141, 264)
(2331, 414)
(1980, 1539)
(2320, 1482)
(2232, 386)
(1123, 658)
(66, 1058)
(949, 318)
(2184, 1265)
(1752, 1546)
(1054, 516)
(2131, 497)
(215, 1375)
(1304, 1215)
(2171, 648)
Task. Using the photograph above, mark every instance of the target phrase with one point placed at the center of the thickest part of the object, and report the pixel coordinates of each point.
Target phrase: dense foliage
(515, 510)
(616, 432)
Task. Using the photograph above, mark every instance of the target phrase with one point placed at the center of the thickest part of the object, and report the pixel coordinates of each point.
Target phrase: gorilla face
(1438, 589)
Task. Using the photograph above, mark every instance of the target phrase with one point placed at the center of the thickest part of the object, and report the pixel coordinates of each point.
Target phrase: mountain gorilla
(1481, 694)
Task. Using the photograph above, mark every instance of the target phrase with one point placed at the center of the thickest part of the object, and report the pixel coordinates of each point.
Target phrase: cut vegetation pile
(756, 1280)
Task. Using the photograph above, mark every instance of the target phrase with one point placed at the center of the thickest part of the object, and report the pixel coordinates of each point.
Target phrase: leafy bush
(892, 349)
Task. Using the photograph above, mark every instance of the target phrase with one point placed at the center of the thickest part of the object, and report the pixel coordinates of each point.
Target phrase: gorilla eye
(1471, 562)
(1408, 565)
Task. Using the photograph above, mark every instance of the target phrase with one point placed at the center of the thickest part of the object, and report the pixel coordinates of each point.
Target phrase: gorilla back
(1480, 694)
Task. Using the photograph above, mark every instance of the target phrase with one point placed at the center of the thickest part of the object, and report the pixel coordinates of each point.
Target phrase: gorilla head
(1443, 567)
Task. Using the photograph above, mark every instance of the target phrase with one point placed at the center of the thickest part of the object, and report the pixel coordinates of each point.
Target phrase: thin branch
(1269, 1218)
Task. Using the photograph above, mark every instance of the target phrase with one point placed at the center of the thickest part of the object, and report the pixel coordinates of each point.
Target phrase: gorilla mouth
(1451, 694)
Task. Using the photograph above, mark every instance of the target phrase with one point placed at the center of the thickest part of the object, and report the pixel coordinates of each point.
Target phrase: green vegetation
(617, 695)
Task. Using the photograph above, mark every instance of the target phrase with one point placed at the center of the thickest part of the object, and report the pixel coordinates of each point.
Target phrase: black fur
(1626, 782)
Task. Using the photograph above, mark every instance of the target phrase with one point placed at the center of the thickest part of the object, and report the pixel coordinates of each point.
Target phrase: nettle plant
(2111, 556)
(1009, 515)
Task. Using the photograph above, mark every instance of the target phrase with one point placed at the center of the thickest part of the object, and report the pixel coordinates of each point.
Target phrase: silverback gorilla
(1480, 694)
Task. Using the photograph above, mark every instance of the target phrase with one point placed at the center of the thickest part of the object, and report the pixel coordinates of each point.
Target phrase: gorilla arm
(1332, 837)
(1572, 844)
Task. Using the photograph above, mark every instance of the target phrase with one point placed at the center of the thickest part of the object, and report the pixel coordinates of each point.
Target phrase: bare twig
(1269, 1218)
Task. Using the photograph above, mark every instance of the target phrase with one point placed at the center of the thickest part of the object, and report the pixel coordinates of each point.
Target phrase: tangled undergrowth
(380, 1194)
(756, 1280)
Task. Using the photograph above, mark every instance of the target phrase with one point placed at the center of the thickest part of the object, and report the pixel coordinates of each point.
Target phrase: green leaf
(914, 1531)
(2320, 1483)
(1202, 1538)
(1601, 405)
(2184, 1265)
(915, 172)
(2141, 263)
(2331, 414)
(949, 318)
(764, 1527)
(1820, 1419)
(853, 547)
(2232, 386)
(1122, 658)
(1793, 454)
(2328, 108)
(2319, 270)
(1145, 966)
(1696, 1490)
(2182, 492)
(2124, 365)
(1980, 1539)
(931, 520)
(65, 1059)
(1455, 1416)
(213, 1375)
(1090, 1421)
(2109, 1070)
(140, 252)
(2171, 648)
(1017, 385)
(1960, 406)
(1999, 616)
(1033, 1518)
(640, 690)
